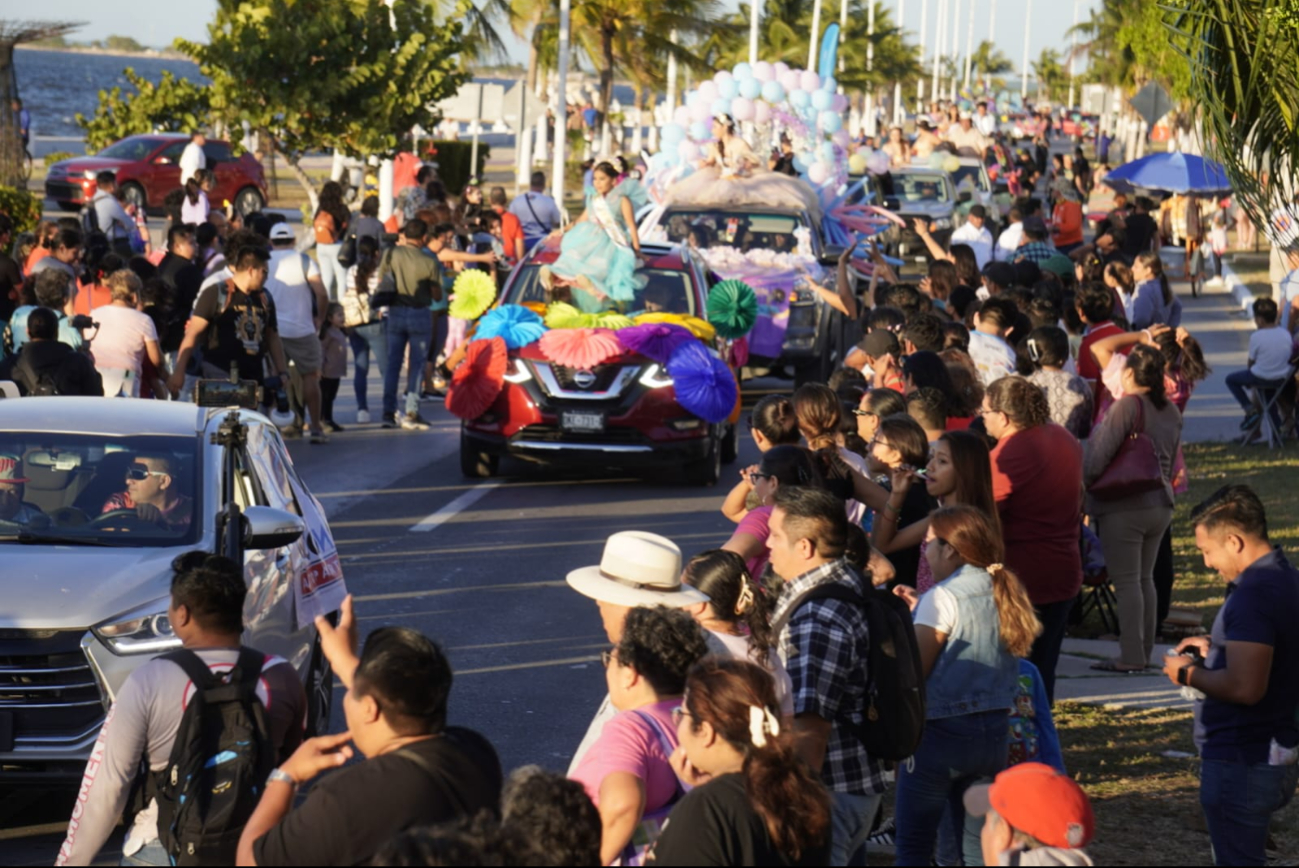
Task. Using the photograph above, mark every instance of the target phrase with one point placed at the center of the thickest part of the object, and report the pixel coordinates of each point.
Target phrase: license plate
(6, 731)
(581, 422)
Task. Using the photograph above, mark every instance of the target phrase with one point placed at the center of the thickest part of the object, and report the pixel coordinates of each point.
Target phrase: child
(1270, 349)
(333, 345)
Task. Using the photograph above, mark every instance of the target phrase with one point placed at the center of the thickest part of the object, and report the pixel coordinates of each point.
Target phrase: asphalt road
(487, 582)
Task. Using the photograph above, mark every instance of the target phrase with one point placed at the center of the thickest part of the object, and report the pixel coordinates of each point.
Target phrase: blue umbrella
(1171, 173)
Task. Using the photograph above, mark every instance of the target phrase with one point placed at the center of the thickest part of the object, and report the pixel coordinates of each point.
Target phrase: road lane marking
(455, 507)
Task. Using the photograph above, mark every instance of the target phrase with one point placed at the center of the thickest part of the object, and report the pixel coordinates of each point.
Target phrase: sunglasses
(139, 473)
(754, 477)
(606, 657)
(857, 412)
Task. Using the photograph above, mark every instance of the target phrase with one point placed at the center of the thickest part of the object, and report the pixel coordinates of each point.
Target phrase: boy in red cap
(1035, 816)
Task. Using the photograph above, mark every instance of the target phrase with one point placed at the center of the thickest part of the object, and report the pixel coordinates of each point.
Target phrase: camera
(81, 322)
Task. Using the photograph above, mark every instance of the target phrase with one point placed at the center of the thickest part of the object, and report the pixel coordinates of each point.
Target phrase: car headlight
(942, 223)
(89, 174)
(655, 378)
(517, 372)
(147, 634)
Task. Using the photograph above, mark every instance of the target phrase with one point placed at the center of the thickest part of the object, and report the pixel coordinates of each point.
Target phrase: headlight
(942, 223)
(654, 378)
(89, 174)
(517, 372)
(148, 634)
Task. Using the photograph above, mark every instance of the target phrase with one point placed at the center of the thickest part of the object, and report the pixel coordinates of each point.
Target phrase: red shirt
(1037, 481)
(91, 297)
(511, 233)
(1087, 367)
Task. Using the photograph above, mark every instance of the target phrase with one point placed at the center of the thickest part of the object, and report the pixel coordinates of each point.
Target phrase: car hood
(73, 587)
(77, 165)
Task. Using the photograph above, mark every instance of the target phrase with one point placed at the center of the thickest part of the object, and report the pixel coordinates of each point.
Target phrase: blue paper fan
(703, 383)
(513, 323)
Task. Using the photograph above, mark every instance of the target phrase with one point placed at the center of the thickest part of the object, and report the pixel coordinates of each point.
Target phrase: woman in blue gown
(601, 251)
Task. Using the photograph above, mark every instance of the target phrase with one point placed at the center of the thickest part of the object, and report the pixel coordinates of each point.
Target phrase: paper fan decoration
(655, 340)
(478, 381)
(703, 383)
(612, 320)
(562, 315)
(732, 308)
(517, 325)
(474, 293)
(580, 348)
(705, 331)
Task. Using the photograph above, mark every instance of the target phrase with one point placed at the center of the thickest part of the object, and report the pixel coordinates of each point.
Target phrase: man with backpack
(248, 707)
(103, 213)
(46, 367)
(823, 620)
(418, 770)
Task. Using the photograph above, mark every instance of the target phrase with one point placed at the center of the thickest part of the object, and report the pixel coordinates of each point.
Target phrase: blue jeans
(332, 274)
(1239, 800)
(1239, 382)
(851, 816)
(408, 328)
(954, 754)
(365, 340)
(150, 854)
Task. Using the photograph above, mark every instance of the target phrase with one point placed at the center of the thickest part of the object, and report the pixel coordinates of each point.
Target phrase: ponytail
(1156, 266)
(192, 189)
(1017, 619)
(734, 597)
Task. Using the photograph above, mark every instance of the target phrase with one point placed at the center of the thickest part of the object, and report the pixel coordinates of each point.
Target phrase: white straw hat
(637, 569)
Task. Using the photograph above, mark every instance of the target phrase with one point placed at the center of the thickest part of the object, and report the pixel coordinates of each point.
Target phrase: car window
(970, 175)
(920, 188)
(216, 152)
(138, 491)
(271, 465)
(665, 290)
(132, 149)
(739, 229)
(171, 153)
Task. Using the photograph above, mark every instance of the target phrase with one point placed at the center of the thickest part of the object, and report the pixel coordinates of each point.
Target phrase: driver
(151, 491)
(12, 508)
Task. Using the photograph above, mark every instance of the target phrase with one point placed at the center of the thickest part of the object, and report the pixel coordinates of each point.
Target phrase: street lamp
(1023, 82)
(561, 105)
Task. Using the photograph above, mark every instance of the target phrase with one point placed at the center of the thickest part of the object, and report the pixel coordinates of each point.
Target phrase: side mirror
(267, 528)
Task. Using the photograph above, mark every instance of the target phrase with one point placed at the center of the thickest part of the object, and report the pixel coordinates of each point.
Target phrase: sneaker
(1250, 420)
(319, 438)
(363, 417)
(414, 422)
(291, 432)
(333, 426)
(883, 839)
(390, 420)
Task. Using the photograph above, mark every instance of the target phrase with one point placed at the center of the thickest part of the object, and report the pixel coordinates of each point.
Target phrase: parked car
(620, 414)
(86, 584)
(922, 192)
(868, 189)
(148, 168)
(795, 326)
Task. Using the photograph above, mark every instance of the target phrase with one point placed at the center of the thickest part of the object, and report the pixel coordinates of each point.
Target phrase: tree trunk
(637, 131)
(299, 174)
(11, 143)
(606, 85)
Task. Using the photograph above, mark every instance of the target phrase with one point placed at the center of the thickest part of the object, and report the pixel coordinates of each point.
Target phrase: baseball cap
(1000, 273)
(1039, 801)
(979, 211)
(1035, 224)
(282, 232)
(880, 342)
(1059, 265)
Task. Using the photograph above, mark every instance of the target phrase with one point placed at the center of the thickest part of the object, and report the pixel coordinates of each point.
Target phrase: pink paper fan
(580, 348)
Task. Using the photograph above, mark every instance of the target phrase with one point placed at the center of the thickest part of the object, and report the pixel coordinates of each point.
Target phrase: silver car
(85, 579)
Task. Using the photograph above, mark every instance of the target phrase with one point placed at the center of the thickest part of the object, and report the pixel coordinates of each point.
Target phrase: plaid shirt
(1035, 251)
(825, 647)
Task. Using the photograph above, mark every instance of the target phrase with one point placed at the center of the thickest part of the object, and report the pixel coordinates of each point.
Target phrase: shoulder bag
(1135, 468)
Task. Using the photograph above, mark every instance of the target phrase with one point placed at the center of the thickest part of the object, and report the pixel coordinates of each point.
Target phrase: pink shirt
(757, 524)
(123, 332)
(629, 743)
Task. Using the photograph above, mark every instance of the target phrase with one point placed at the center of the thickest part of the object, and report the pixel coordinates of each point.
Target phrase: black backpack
(40, 383)
(89, 219)
(894, 712)
(219, 763)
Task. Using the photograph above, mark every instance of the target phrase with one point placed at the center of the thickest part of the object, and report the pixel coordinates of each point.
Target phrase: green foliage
(172, 105)
(57, 156)
(454, 166)
(329, 74)
(22, 207)
(122, 43)
(1051, 75)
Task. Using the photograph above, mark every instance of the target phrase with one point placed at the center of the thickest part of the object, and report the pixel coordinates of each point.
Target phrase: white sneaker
(363, 417)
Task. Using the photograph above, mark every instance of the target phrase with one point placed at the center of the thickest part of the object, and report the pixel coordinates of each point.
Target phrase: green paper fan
(474, 293)
(612, 320)
(564, 316)
(732, 308)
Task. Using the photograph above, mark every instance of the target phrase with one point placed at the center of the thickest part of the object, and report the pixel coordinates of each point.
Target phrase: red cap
(1039, 801)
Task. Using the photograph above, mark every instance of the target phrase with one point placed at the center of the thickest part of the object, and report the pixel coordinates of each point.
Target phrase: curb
(1237, 288)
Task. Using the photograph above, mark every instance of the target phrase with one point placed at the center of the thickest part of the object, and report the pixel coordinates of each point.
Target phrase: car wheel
(249, 200)
(731, 443)
(707, 470)
(320, 692)
(134, 195)
(475, 463)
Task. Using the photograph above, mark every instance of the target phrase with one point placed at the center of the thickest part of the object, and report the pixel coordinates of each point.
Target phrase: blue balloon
(692, 98)
(672, 134)
(721, 106)
(743, 71)
(699, 131)
(728, 88)
(827, 152)
(809, 157)
(773, 91)
(831, 122)
(801, 162)
(828, 84)
(821, 100)
(800, 99)
(750, 88)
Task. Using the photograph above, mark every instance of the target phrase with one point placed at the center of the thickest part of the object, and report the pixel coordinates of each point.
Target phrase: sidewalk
(1076, 681)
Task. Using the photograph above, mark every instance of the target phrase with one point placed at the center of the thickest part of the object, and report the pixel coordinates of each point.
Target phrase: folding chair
(1098, 594)
(1269, 421)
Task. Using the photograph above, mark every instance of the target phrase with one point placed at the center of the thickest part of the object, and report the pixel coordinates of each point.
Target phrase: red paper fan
(479, 379)
(580, 348)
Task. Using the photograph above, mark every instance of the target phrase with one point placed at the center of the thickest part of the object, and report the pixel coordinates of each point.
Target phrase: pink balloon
(839, 103)
(742, 109)
(763, 71)
(688, 151)
(723, 75)
(761, 112)
(781, 67)
(809, 80)
(790, 80)
(682, 115)
(842, 139)
(701, 111)
(818, 173)
(707, 92)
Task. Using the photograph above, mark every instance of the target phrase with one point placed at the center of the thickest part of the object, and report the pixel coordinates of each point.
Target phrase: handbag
(347, 249)
(1135, 468)
(386, 293)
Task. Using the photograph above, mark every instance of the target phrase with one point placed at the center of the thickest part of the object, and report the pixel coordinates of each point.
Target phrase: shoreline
(148, 53)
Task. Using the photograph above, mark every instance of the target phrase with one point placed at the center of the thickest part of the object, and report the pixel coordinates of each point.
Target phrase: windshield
(971, 175)
(665, 290)
(86, 489)
(133, 149)
(742, 230)
(920, 188)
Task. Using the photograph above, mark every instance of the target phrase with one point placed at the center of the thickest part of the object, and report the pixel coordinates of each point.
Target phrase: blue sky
(157, 22)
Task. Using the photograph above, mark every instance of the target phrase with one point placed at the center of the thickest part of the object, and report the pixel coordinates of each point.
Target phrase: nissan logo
(584, 379)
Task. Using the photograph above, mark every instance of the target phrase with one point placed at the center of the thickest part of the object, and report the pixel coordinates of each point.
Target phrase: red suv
(148, 168)
(621, 414)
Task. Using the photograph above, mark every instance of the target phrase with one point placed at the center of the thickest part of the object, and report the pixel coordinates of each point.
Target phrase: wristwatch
(283, 777)
(1184, 676)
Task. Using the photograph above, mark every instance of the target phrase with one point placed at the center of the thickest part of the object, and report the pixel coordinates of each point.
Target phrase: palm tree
(1049, 72)
(988, 61)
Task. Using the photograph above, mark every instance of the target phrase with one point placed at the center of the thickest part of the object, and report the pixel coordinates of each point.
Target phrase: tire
(134, 194)
(320, 693)
(475, 463)
(249, 200)
(707, 471)
(731, 443)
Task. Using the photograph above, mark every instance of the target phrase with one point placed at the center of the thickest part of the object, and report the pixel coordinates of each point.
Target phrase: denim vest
(974, 672)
